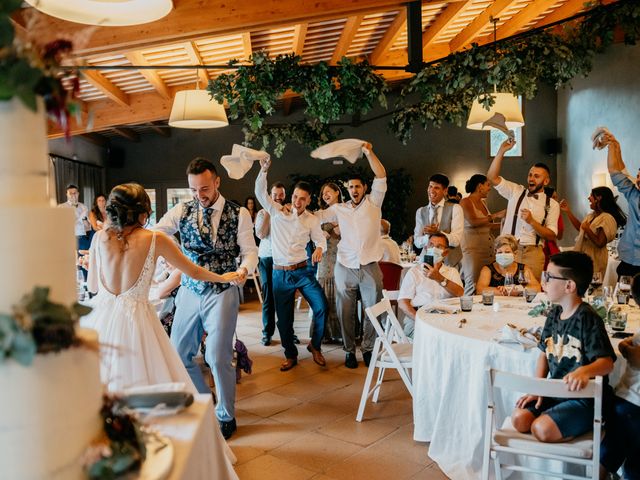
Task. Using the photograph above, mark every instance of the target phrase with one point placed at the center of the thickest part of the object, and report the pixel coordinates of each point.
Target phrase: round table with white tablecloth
(449, 378)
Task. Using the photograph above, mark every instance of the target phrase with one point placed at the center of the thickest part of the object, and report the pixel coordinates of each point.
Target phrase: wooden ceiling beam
(441, 23)
(196, 59)
(102, 83)
(247, 48)
(144, 107)
(346, 37)
(160, 128)
(299, 36)
(191, 19)
(394, 31)
(523, 17)
(136, 58)
(127, 133)
(565, 10)
(468, 34)
(96, 139)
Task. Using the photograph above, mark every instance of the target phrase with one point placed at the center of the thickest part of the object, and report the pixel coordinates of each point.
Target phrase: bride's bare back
(122, 268)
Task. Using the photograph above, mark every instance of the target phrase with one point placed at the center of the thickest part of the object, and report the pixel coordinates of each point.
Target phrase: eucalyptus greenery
(441, 92)
(446, 89)
(252, 92)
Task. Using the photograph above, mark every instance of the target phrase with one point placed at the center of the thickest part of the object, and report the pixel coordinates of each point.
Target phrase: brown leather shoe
(317, 355)
(288, 364)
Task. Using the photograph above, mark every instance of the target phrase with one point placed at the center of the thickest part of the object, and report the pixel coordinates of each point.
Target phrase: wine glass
(596, 281)
(607, 292)
(523, 280)
(508, 283)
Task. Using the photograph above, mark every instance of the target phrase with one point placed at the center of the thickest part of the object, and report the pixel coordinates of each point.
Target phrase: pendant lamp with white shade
(505, 104)
(109, 13)
(196, 109)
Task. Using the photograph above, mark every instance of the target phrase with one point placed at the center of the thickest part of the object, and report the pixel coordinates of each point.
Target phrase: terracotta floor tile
(267, 467)
(266, 404)
(314, 452)
(400, 444)
(432, 472)
(365, 433)
(265, 435)
(374, 466)
(309, 416)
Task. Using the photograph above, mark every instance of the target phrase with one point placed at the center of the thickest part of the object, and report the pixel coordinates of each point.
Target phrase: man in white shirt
(82, 226)
(425, 284)
(213, 233)
(532, 216)
(291, 231)
(359, 251)
(390, 249)
(440, 216)
(265, 264)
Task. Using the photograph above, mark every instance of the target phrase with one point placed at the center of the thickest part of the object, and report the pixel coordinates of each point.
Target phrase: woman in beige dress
(599, 226)
(477, 240)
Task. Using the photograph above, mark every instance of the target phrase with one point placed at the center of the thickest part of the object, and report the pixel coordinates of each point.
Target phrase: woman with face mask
(492, 275)
(599, 226)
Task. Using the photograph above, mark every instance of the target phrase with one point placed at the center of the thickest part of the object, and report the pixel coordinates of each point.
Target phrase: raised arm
(166, 248)
(261, 191)
(493, 174)
(374, 162)
(614, 154)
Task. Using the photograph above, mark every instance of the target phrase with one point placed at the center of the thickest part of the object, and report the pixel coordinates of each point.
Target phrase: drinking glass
(624, 284)
(487, 297)
(522, 278)
(466, 304)
(530, 294)
(508, 283)
(596, 281)
(618, 320)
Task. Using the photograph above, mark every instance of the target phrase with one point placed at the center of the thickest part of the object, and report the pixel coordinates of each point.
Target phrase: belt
(291, 267)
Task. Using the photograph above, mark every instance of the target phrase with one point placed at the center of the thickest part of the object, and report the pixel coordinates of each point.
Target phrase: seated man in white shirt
(390, 249)
(425, 284)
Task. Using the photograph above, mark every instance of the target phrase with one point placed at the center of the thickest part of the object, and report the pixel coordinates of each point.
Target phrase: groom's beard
(208, 202)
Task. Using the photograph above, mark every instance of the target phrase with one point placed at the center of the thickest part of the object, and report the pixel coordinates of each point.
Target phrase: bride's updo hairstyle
(125, 204)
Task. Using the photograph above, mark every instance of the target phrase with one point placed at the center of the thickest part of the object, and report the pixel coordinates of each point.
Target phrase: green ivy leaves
(329, 93)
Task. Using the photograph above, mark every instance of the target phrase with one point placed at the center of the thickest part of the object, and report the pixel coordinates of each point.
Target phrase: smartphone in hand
(428, 259)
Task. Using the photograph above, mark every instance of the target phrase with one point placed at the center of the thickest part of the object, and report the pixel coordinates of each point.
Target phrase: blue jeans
(285, 284)
(620, 444)
(265, 266)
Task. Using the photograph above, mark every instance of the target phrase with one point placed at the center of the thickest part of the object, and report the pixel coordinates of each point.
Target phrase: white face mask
(436, 253)
(505, 259)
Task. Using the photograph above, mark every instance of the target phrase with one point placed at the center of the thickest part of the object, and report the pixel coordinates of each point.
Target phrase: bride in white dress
(136, 351)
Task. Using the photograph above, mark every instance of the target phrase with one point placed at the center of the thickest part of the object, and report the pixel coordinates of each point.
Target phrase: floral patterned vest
(219, 258)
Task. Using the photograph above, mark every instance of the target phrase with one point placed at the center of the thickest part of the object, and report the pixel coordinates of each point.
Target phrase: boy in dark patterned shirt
(575, 347)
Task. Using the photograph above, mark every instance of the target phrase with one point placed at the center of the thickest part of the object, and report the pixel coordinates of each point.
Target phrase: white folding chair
(386, 353)
(583, 450)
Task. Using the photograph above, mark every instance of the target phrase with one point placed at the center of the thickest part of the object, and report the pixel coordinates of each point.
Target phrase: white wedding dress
(135, 349)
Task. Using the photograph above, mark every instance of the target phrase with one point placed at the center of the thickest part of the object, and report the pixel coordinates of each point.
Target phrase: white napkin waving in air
(598, 136)
(349, 148)
(241, 160)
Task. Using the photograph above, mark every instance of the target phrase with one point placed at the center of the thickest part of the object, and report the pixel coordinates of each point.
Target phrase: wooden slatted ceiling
(373, 29)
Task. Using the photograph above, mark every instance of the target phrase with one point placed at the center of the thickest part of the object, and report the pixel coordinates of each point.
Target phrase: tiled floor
(301, 424)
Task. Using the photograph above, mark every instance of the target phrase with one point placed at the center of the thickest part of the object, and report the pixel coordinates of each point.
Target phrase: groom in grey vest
(213, 232)
(440, 216)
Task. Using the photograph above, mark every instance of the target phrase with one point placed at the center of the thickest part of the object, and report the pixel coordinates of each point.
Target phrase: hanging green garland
(441, 92)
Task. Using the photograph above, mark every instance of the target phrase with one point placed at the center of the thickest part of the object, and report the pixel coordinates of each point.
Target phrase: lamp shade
(505, 103)
(194, 109)
(114, 13)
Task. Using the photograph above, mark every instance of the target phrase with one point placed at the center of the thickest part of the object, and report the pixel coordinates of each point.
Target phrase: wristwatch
(444, 282)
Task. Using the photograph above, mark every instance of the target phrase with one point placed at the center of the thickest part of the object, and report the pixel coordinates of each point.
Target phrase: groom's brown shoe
(317, 355)
(288, 364)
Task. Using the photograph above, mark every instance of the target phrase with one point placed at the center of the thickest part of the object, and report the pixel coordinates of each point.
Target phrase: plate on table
(159, 461)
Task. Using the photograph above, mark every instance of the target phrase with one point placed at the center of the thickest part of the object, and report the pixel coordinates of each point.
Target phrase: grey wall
(159, 162)
(610, 96)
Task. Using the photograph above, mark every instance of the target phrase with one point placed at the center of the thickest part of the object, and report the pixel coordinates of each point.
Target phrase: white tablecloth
(449, 379)
(200, 450)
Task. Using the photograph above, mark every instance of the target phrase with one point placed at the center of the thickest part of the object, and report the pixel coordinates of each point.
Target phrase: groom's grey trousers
(216, 314)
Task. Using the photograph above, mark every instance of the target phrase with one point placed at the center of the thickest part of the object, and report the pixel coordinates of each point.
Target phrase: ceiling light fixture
(196, 109)
(506, 104)
(111, 13)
